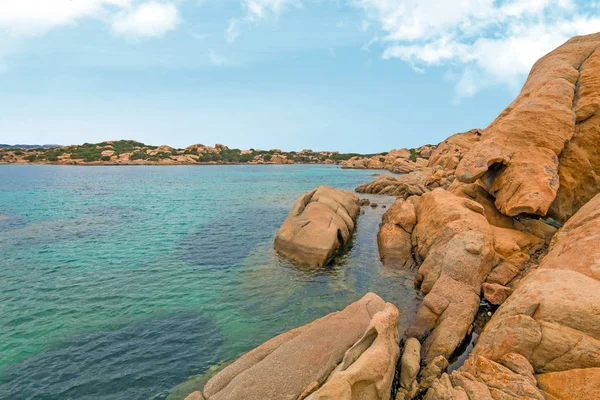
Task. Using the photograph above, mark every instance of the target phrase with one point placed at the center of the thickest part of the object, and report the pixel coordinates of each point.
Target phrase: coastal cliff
(483, 228)
(502, 228)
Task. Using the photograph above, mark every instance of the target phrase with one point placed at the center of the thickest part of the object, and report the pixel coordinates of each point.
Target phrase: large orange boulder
(550, 324)
(576, 246)
(579, 163)
(394, 236)
(348, 353)
(318, 226)
(456, 244)
(368, 368)
(518, 155)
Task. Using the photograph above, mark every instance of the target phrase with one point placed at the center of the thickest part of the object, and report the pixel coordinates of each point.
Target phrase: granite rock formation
(350, 355)
(546, 139)
(544, 341)
(539, 158)
(401, 161)
(439, 172)
(318, 226)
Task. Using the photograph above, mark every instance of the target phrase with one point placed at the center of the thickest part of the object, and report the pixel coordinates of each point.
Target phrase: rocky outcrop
(420, 176)
(346, 355)
(449, 153)
(418, 182)
(401, 161)
(280, 159)
(486, 233)
(554, 116)
(130, 152)
(394, 236)
(318, 226)
(367, 369)
(410, 364)
(544, 341)
(456, 244)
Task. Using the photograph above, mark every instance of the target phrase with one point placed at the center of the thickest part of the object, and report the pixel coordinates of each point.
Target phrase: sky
(348, 75)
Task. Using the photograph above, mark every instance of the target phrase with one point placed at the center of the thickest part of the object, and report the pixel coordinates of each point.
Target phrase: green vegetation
(124, 146)
(137, 151)
(414, 154)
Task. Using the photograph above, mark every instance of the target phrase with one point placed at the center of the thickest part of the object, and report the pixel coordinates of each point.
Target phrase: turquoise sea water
(121, 282)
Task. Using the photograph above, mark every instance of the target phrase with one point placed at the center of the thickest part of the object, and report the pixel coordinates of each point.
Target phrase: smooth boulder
(318, 226)
(353, 345)
(394, 236)
(367, 370)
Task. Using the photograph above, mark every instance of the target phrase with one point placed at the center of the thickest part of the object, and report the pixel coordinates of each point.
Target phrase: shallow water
(121, 282)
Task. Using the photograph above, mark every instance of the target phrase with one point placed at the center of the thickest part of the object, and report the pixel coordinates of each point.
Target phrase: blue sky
(354, 76)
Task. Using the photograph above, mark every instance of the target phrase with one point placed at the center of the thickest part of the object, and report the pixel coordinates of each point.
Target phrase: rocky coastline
(130, 152)
(505, 220)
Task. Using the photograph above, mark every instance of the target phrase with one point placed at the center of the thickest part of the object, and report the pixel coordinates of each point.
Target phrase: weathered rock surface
(410, 365)
(494, 293)
(394, 236)
(397, 161)
(576, 246)
(367, 369)
(350, 353)
(456, 244)
(544, 341)
(449, 153)
(318, 226)
(418, 182)
(579, 163)
(518, 155)
(420, 176)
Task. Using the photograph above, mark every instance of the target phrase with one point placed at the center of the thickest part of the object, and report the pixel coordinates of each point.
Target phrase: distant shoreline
(94, 164)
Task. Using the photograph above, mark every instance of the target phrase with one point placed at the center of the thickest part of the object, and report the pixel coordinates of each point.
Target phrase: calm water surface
(122, 282)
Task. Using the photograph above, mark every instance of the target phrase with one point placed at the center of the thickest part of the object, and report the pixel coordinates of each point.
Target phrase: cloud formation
(483, 42)
(259, 9)
(126, 17)
(151, 19)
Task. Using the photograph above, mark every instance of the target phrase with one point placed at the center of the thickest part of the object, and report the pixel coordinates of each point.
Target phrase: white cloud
(152, 19)
(233, 30)
(259, 9)
(34, 17)
(489, 42)
(136, 17)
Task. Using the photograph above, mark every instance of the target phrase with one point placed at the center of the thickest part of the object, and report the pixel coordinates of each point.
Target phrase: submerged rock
(350, 355)
(318, 226)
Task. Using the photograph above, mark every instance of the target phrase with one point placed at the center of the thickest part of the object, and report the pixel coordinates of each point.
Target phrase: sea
(139, 282)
